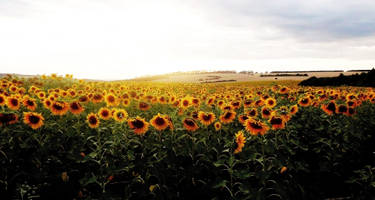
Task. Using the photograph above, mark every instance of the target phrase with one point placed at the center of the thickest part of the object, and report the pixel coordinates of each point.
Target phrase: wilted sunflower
(240, 141)
(34, 120)
(8, 118)
(120, 115)
(304, 102)
(29, 103)
(227, 117)
(59, 108)
(76, 108)
(105, 113)
(13, 103)
(139, 125)
(111, 99)
(330, 108)
(217, 126)
(255, 127)
(190, 124)
(2, 100)
(277, 122)
(144, 106)
(206, 118)
(93, 120)
(270, 102)
(159, 122)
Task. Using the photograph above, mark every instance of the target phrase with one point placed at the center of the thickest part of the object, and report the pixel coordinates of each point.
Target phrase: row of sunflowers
(237, 110)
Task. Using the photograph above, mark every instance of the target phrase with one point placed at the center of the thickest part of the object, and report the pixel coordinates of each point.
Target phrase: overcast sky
(117, 39)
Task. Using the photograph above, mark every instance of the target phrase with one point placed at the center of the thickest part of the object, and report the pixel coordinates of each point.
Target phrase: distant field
(233, 77)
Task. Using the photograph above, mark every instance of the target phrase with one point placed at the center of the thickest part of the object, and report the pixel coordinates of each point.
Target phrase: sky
(120, 39)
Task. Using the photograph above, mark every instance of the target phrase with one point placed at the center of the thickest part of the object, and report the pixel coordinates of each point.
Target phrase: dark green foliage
(365, 79)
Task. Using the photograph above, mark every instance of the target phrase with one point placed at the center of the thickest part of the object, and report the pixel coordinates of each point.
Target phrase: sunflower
(266, 112)
(247, 103)
(34, 120)
(159, 122)
(2, 100)
(342, 109)
(143, 106)
(97, 98)
(277, 122)
(293, 110)
(259, 103)
(242, 118)
(139, 125)
(255, 127)
(195, 102)
(125, 102)
(217, 126)
(227, 117)
(29, 103)
(93, 120)
(304, 102)
(83, 99)
(76, 108)
(47, 103)
(105, 113)
(59, 108)
(206, 118)
(41, 95)
(185, 102)
(240, 142)
(284, 90)
(13, 103)
(350, 111)
(8, 118)
(252, 113)
(330, 108)
(351, 104)
(190, 124)
(120, 115)
(235, 104)
(270, 102)
(111, 99)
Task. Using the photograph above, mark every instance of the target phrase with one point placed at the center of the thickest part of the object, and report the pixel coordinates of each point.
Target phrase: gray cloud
(313, 20)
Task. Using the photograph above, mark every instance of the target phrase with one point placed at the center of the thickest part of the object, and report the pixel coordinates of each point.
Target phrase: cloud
(311, 20)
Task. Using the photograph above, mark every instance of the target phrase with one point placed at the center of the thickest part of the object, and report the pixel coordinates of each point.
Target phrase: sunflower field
(63, 138)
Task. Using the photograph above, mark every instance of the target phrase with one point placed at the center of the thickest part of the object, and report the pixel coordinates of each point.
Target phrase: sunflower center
(93, 120)
(57, 106)
(159, 121)
(185, 103)
(34, 119)
(105, 113)
(111, 99)
(276, 121)
(343, 109)
(75, 106)
(255, 125)
(189, 122)
(207, 117)
(138, 124)
(14, 102)
(331, 107)
(228, 115)
(266, 112)
(2, 99)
